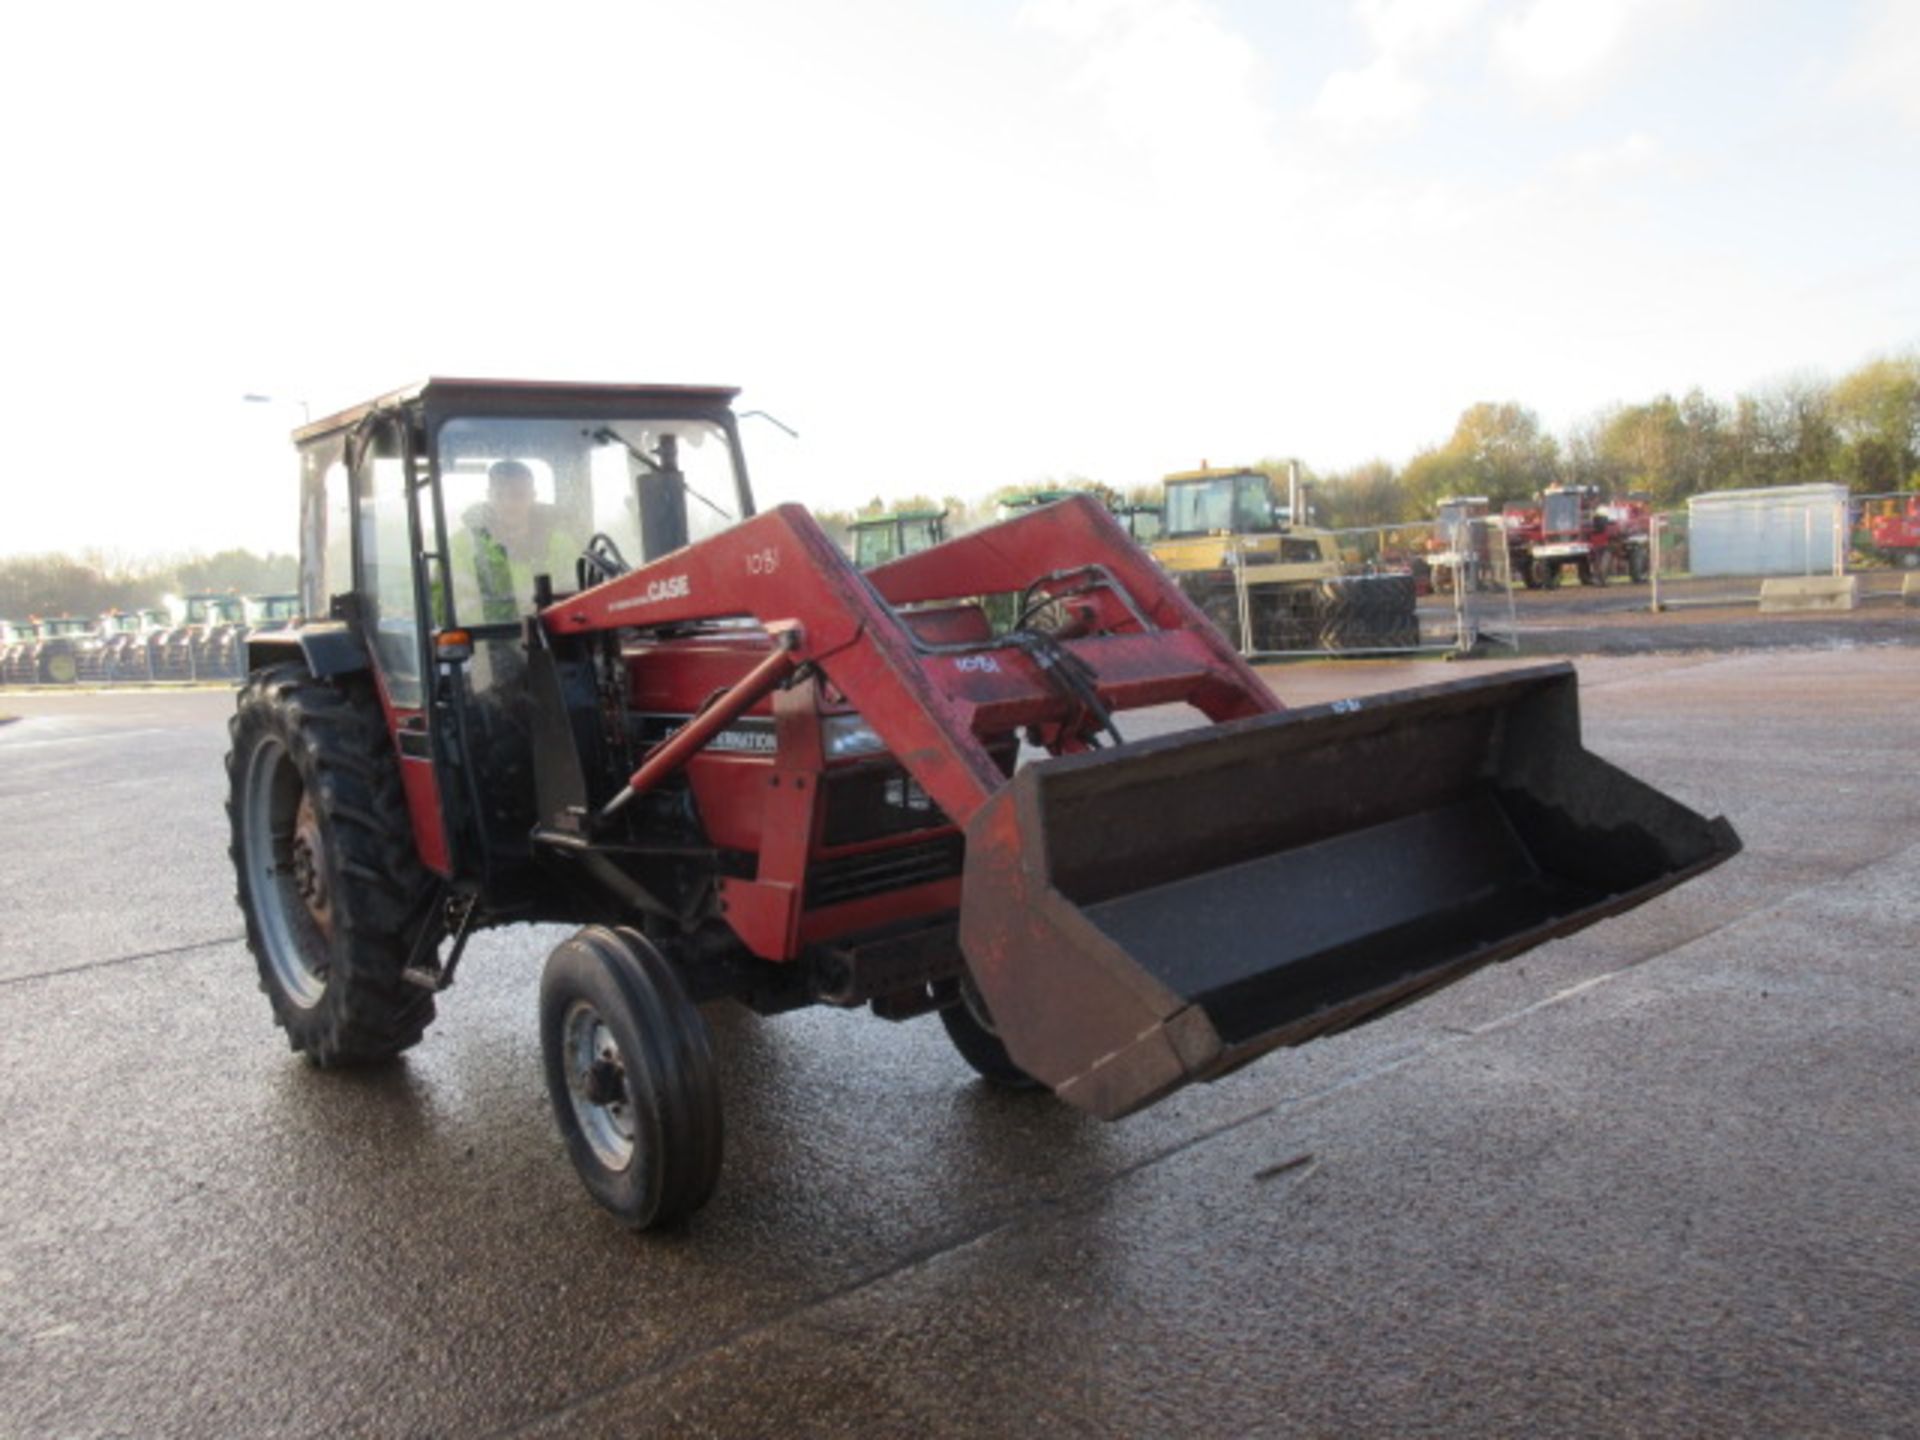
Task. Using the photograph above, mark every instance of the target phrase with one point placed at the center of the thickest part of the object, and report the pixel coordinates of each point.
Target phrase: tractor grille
(855, 877)
(870, 802)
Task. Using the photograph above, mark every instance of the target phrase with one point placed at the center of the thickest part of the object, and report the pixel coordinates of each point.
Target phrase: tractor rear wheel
(323, 855)
(970, 1027)
(630, 1071)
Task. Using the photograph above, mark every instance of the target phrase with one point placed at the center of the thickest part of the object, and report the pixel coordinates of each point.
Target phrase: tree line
(93, 584)
(1862, 431)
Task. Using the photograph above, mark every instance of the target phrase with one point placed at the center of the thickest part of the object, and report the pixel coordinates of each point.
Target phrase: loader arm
(1140, 916)
(932, 703)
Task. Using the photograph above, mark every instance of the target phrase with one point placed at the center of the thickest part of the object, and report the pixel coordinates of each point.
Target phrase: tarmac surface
(1659, 1178)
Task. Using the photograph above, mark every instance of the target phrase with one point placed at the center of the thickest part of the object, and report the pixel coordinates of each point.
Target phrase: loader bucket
(1164, 911)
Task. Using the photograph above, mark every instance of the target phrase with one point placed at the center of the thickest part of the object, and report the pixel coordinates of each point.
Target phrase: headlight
(846, 736)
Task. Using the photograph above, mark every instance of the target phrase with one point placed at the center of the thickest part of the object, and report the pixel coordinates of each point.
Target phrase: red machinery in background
(1893, 531)
(1578, 531)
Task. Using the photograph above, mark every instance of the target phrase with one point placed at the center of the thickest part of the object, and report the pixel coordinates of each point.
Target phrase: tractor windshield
(212, 609)
(1561, 514)
(875, 544)
(526, 497)
(1234, 504)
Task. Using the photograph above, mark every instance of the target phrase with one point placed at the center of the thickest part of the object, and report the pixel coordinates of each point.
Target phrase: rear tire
(57, 665)
(631, 1075)
(327, 876)
(970, 1027)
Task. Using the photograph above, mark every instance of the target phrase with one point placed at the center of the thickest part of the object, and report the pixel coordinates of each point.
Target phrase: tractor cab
(270, 612)
(1457, 510)
(439, 519)
(878, 539)
(211, 609)
(1027, 500)
(1221, 502)
(1144, 522)
(1567, 511)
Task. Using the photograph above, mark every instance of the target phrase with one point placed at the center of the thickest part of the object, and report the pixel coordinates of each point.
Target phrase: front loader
(747, 770)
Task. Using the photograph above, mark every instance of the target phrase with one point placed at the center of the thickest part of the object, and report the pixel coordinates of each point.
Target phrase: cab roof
(1208, 472)
(518, 397)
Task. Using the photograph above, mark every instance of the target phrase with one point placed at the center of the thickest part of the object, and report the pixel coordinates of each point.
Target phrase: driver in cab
(508, 539)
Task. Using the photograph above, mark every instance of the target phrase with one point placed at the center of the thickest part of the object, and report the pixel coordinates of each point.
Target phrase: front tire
(630, 1072)
(327, 876)
(970, 1027)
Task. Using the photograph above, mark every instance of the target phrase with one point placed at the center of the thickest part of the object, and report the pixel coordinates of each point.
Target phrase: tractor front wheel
(970, 1028)
(323, 856)
(631, 1074)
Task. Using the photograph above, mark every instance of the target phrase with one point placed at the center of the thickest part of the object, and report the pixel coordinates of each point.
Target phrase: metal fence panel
(1385, 601)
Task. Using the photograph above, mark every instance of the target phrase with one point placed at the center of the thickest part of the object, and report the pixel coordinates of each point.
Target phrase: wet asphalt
(1659, 1178)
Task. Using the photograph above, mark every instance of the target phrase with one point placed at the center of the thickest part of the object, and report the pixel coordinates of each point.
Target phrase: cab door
(390, 490)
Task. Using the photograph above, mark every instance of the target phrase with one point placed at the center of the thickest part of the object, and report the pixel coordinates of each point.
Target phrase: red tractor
(1893, 531)
(1522, 526)
(1597, 541)
(750, 771)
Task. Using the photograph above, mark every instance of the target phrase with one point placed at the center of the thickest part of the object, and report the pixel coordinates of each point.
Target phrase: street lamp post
(306, 411)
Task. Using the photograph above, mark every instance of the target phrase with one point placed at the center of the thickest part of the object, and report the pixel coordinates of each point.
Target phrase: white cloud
(952, 254)
(1635, 155)
(1171, 78)
(1387, 94)
(1377, 98)
(1410, 27)
(1562, 49)
(1886, 63)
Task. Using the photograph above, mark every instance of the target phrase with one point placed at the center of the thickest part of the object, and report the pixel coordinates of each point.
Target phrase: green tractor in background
(876, 539)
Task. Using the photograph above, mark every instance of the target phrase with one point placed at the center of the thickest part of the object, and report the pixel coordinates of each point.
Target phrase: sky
(954, 246)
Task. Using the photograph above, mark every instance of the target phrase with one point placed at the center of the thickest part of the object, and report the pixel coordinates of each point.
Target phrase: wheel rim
(597, 1085)
(286, 858)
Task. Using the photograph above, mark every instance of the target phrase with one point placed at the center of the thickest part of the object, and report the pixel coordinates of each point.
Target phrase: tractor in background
(1891, 531)
(195, 646)
(1595, 540)
(17, 640)
(1142, 520)
(52, 657)
(1269, 583)
(876, 539)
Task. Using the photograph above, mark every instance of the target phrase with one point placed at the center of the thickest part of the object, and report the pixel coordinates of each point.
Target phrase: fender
(326, 648)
